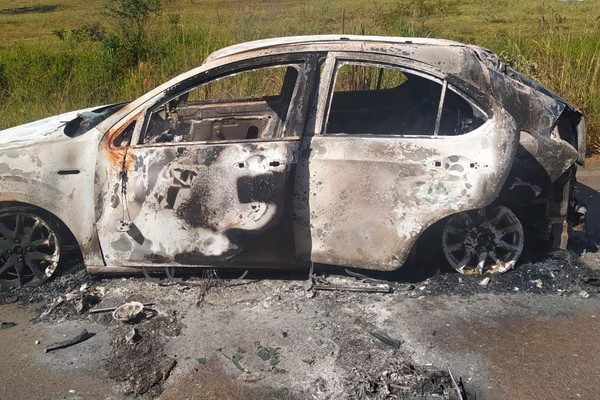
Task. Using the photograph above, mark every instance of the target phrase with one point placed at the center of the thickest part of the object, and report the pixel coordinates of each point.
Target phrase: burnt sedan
(342, 150)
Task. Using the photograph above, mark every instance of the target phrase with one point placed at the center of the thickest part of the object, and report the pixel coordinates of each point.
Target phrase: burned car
(341, 150)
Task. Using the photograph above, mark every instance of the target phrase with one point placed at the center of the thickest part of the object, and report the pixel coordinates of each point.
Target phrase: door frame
(318, 233)
(123, 157)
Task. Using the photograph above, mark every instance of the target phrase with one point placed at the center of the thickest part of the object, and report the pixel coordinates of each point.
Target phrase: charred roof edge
(299, 40)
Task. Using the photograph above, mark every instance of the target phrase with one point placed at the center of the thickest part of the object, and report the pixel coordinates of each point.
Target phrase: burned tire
(30, 247)
(489, 240)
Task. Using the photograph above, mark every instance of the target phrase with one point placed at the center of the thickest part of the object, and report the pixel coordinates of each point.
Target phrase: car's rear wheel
(489, 240)
(29, 248)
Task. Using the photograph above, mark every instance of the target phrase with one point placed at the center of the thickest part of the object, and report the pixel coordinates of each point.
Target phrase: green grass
(556, 42)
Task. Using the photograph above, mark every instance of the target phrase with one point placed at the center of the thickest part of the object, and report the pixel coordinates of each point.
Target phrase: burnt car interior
(380, 100)
(251, 104)
(458, 116)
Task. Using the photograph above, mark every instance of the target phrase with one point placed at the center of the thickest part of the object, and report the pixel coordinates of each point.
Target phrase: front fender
(69, 209)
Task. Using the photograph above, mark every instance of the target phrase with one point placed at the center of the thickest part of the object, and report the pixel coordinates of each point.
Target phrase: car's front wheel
(489, 240)
(29, 247)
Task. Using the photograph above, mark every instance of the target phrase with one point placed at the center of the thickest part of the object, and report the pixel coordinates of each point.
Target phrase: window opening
(124, 138)
(458, 115)
(376, 99)
(248, 105)
(381, 100)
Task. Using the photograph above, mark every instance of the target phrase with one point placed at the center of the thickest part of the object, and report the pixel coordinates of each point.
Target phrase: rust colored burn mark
(114, 156)
(116, 146)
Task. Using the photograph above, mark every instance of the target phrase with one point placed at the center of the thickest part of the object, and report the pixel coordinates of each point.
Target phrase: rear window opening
(381, 100)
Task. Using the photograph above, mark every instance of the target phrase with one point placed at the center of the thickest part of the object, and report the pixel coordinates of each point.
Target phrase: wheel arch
(432, 235)
(70, 242)
(73, 211)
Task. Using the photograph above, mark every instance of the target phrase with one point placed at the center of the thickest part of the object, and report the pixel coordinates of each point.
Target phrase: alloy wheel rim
(29, 249)
(489, 240)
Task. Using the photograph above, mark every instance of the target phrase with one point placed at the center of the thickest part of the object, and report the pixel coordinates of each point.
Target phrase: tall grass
(45, 76)
(39, 81)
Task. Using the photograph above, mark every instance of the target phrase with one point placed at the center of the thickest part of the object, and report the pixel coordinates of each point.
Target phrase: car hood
(46, 130)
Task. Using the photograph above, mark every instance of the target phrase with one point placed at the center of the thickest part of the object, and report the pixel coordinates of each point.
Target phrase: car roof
(295, 43)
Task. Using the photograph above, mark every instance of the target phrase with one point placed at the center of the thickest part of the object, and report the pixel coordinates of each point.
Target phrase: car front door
(207, 177)
(394, 148)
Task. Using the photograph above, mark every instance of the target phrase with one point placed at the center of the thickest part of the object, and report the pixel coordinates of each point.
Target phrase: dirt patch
(210, 381)
(377, 365)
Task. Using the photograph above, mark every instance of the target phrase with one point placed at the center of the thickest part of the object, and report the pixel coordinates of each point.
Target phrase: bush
(129, 39)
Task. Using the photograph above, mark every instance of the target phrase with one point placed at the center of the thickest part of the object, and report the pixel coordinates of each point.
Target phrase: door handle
(273, 164)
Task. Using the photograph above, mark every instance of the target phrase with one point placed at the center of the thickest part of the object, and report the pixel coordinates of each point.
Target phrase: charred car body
(340, 150)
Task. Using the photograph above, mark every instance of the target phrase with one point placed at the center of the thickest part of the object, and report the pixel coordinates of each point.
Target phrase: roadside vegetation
(58, 55)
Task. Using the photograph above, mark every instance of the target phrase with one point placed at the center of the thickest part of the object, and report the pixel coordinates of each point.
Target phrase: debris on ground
(133, 336)
(141, 368)
(267, 354)
(85, 297)
(364, 278)
(128, 312)
(385, 338)
(111, 309)
(365, 289)
(82, 337)
(80, 300)
(236, 358)
(54, 304)
(459, 386)
(55, 287)
(563, 273)
(358, 283)
(538, 283)
(252, 377)
(167, 368)
(485, 281)
(7, 325)
(404, 380)
(9, 300)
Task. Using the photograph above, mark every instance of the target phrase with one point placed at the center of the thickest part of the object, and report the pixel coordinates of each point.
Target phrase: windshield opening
(86, 120)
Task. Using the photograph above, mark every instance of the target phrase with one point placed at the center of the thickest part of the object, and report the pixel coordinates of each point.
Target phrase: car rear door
(392, 149)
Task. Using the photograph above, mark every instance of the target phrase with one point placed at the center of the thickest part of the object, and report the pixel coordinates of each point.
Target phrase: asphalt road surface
(269, 338)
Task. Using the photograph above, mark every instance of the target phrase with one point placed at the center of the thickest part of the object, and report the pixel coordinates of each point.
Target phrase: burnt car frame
(342, 150)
